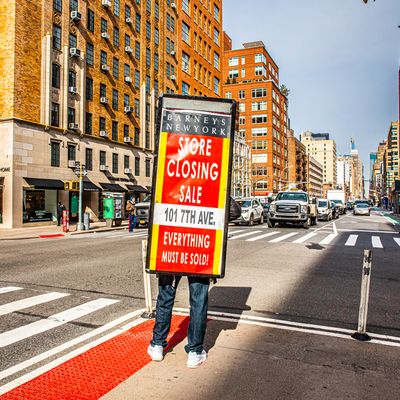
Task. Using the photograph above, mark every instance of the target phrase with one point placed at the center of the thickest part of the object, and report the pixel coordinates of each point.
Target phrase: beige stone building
(314, 177)
(80, 82)
(323, 149)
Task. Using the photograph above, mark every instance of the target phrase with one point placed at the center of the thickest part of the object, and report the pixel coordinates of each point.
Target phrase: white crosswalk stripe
(244, 235)
(376, 242)
(262, 236)
(328, 239)
(8, 289)
(30, 302)
(281, 238)
(305, 237)
(23, 332)
(352, 240)
(397, 240)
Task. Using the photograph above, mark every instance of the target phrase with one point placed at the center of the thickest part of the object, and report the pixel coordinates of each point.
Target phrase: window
(115, 163)
(55, 154)
(102, 124)
(126, 133)
(115, 68)
(259, 145)
(103, 90)
(216, 36)
(89, 89)
(148, 30)
(147, 167)
(71, 79)
(127, 12)
(185, 6)
(90, 20)
(185, 62)
(116, 8)
(89, 54)
(147, 84)
(127, 41)
(241, 94)
(259, 119)
(127, 70)
(156, 87)
(258, 106)
(148, 6)
(126, 161)
(258, 58)
(185, 32)
(137, 137)
(260, 70)
(233, 73)
(72, 41)
(137, 50)
(259, 131)
(73, 5)
(126, 100)
(103, 25)
(216, 85)
(243, 74)
(233, 61)
(156, 61)
(114, 132)
(185, 88)
(170, 23)
(55, 76)
(57, 5)
(56, 37)
(228, 95)
(89, 159)
(216, 60)
(103, 58)
(242, 107)
(115, 99)
(216, 12)
(102, 158)
(259, 92)
(148, 58)
(71, 115)
(71, 152)
(156, 36)
(137, 166)
(89, 124)
(137, 79)
(137, 23)
(137, 108)
(242, 120)
(156, 10)
(55, 114)
(116, 37)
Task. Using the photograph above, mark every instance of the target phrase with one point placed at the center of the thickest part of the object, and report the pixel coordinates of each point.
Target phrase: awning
(112, 187)
(1, 181)
(45, 183)
(137, 189)
(89, 186)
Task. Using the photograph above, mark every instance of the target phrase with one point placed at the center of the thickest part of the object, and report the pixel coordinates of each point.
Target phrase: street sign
(191, 179)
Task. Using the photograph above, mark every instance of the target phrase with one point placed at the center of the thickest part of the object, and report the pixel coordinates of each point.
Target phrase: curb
(117, 228)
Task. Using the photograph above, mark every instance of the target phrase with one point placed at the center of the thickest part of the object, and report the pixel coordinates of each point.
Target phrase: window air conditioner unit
(73, 126)
(103, 134)
(103, 167)
(127, 171)
(76, 16)
(173, 53)
(127, 139)
(105, 35)
(173, 5)
(106, 3)
(128, 109)
(128, 49)
(71, 163)
(128, 20)
(172, 77)
(103, 100)
(74, 52)
(128, 79)
(105, 67)
(73, 90)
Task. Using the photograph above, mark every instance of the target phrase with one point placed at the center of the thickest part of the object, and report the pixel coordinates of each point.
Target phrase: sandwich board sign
(191, 186)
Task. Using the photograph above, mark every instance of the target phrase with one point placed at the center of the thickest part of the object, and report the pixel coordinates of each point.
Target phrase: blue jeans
(132, 222)
(198, 295)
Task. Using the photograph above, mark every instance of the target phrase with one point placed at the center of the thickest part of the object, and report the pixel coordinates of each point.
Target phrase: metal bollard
(149, 313)
(361, 333)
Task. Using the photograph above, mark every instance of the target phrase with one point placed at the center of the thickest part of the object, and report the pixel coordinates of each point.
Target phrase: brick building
(80, 82)
(297, 163)
(251, 77)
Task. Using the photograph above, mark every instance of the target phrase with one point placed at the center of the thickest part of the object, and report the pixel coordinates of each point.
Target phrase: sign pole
(80, 222)
(149, 313)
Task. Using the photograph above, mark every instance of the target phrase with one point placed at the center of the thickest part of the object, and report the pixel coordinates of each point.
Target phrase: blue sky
(339, 58)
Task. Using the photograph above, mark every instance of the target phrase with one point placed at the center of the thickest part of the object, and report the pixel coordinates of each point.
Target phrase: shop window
(34, 205)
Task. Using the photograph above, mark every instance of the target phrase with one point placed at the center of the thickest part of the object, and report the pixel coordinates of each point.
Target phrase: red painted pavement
(97, 371)
(51, 235)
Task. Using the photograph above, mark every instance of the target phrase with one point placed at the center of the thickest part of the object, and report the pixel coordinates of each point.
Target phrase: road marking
(366, 231)
(54, 321)
(34, 360)
(328, 239)
(279, 239)
(234, 232)
(376, 242)
(262, 236)
(244, 234)
(8, 289)
(334, 228)
(305, 237)
(397, 240)
(30, 302)
(352, 240)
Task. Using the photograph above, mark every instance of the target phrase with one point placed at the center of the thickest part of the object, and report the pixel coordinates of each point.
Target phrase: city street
(53, 291)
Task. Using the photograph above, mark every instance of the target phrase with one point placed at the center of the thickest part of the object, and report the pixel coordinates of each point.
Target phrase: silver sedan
(361, 209)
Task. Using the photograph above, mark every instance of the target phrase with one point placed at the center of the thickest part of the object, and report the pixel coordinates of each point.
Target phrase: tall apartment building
(251, 77)
(378, 173)
(297, 163)
(392, 158)
(358, 173)
(345, 174)
(241, 169)
(315, 173)
(323, 149)
(80, 81)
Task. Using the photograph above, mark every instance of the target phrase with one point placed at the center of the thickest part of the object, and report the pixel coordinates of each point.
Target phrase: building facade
(323, 149)
(80, 83)
(358, 173)
(315, 178)
(345, 174)
(241, 169)
(297, 163)
(251, 77)
(391, 158)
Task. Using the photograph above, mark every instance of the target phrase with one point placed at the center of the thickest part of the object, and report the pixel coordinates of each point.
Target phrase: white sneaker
(194, 359)
(156, 352)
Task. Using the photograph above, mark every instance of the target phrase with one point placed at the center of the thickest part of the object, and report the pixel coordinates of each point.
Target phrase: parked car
(335, 210)
(266, 207)
(361, 209)
(324, 210)
(349, 205)
(340, 205)
(252, 211)
(142, 211)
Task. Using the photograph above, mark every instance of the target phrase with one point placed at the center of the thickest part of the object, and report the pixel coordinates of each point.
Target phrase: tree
(285, 91)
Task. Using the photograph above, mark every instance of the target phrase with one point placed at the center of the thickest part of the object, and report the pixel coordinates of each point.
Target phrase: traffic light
(66, 185)
(72, 186)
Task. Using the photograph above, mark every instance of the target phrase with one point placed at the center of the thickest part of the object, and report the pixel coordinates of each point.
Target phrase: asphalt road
(309, 276)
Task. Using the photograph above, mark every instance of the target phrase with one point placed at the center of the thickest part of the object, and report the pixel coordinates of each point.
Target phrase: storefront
(136, 192)
(396, 197)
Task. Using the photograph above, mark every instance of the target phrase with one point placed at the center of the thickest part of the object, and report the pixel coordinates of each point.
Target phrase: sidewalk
(52, 231)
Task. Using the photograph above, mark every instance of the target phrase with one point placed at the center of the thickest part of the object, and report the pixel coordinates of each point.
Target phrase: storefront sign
(5, 169)
(189, 211)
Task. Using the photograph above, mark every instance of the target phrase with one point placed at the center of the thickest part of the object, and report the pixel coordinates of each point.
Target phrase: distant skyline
(338, 58)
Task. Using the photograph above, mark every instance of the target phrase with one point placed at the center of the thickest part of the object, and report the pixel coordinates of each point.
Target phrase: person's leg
(167, 285)
(133, 222)
(198, 292)
(130, 222)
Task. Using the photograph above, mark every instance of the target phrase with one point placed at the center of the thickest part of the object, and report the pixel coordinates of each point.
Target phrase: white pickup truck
(293, 206)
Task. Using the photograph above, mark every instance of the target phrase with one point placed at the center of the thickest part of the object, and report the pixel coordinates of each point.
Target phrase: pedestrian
(198, 297)
(60, 209)
(131, 208)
